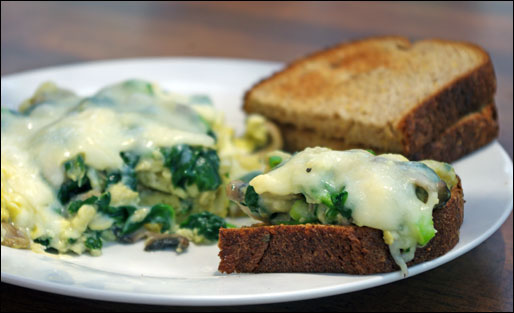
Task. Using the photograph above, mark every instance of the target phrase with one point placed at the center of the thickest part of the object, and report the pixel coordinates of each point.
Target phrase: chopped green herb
(252, 200)
(130, 158)
(193, 165)
(335, 203)
(75, 205)
(162, 214)
(339, 200)
(206, 223)
(103, 202)
(76, 180)
(44, 240)
(212, 134)
(75, 170)
(94, 241)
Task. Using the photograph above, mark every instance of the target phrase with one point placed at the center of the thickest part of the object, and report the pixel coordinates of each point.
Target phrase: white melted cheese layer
(35, 146)
(27, 198)
(101, 134)
(381, 190)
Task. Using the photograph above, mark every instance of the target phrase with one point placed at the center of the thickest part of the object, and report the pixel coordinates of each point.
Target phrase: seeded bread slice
(330, 249)
(468, 134)
(383, 92)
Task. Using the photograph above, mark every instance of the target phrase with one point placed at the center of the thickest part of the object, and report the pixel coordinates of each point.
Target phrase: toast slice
(384, 93)
(330, 249)
(468, 134)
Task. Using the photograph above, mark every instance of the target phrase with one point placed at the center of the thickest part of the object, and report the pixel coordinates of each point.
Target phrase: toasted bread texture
(384, 93)
(328, 248)
(469, 133)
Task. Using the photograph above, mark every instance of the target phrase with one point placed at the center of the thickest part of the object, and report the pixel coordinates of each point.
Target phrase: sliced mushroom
(236, 190)
(13, 237)
(166, 242)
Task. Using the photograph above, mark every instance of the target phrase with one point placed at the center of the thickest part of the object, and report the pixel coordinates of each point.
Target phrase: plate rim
(177, 58)
(229, 300)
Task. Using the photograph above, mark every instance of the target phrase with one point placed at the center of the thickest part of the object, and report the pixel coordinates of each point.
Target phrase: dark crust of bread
(464, 95)
(422, 127)
(330, 249)
(468, 134)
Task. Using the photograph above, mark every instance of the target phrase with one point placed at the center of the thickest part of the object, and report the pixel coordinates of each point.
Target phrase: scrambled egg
(76, 171)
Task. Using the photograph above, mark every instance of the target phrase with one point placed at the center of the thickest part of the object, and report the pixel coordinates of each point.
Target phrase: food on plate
(430, 99)
(129, 162)
(344, 211)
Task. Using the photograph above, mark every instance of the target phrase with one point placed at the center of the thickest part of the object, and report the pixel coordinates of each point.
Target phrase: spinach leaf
(101, 204)
(212, 134)
(128, 172)
(162, 214)
(252, 200)
(337, 201)
(76, 180)
(130, 158)
(94, 241)
(75, 169)
(206, 223)
(193, 165)
(43, 240)
(75, 205)
(120, 215)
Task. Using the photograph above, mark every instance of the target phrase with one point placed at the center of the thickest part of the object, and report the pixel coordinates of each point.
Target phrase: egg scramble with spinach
(79, 171)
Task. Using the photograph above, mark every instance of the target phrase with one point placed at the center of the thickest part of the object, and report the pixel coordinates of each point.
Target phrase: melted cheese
(27, 200)
(381, 191)
(55, 125)
(58, 125)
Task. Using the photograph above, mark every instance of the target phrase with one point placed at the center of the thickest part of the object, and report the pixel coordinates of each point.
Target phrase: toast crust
(468, 134)
(409, 133)
(462, 96)
(329, 248)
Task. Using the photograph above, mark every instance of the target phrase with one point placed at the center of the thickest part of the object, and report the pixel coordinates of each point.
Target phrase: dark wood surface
(45, 34)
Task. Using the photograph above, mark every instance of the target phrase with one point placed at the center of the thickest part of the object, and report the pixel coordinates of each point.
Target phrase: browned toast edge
(464, 95)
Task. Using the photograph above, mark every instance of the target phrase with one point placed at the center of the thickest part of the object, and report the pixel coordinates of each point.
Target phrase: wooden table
(45, 34)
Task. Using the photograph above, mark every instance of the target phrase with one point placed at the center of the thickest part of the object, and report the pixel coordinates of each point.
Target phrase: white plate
(127, 274)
